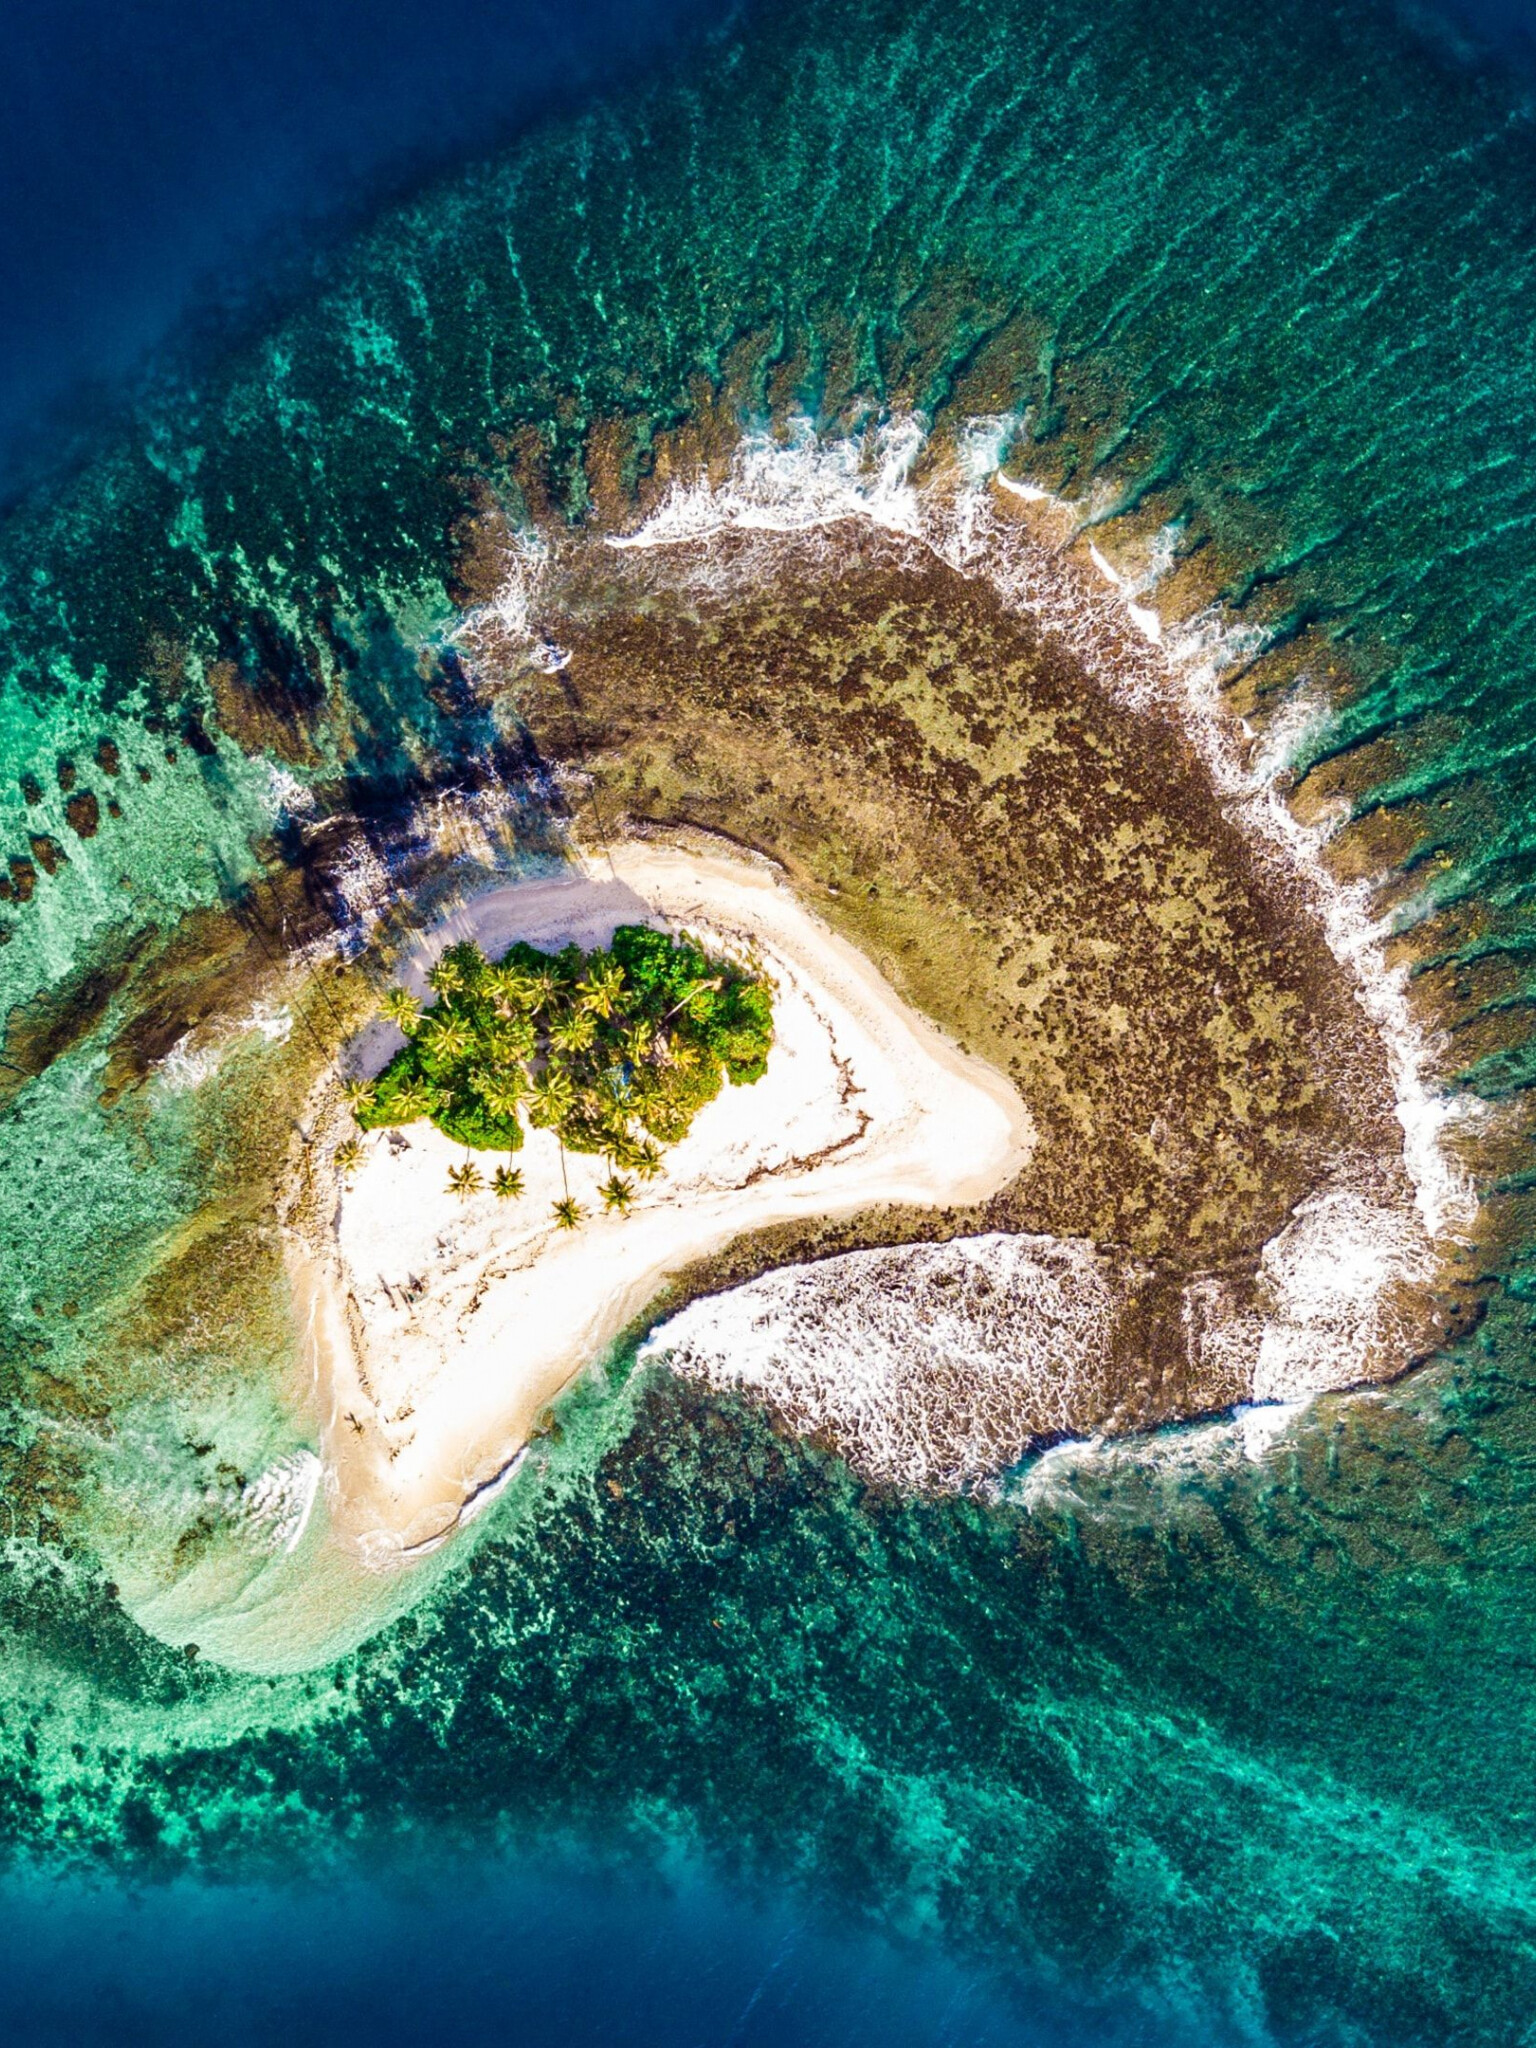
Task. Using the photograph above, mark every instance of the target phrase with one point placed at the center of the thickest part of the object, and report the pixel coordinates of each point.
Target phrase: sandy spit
(438, 1329)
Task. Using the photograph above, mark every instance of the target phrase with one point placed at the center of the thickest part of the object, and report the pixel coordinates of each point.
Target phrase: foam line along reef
(1051, 491)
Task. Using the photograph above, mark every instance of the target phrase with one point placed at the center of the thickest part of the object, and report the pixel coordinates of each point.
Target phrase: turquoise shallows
(1241, 1743)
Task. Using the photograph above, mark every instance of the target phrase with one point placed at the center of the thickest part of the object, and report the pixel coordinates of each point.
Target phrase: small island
(705, 1059)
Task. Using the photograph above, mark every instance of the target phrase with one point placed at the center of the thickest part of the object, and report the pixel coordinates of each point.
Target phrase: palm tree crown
(573, 1032)
(412, 1099)
(402, 1009)
(600, 988)
(500, 1092)
(447, 1036)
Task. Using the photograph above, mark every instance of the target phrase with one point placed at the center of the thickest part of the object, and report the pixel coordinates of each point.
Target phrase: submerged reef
(1081, 544)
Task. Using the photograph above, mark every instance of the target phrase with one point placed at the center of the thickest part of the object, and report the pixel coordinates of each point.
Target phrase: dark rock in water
(196, 736)
(39, 1031)
(84, 814)
(66, 774)
(108, 758)
(47, 852)
(268, 687)
(31, 789)
(23, 877)
(450, 688)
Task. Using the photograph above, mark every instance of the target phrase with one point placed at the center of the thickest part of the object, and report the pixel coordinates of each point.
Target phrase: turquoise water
(1168, 1743)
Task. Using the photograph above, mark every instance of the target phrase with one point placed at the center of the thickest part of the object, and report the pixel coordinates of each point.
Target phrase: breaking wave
(824, 1343)
(929, 1365)
(805, 482)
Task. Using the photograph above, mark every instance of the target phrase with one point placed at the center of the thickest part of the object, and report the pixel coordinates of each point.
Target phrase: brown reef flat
(1044, 872)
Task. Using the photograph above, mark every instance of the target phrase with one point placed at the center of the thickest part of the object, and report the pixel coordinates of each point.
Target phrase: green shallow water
(1244, 1742)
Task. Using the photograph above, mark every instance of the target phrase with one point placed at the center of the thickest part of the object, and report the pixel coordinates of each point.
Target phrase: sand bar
(440, 1328)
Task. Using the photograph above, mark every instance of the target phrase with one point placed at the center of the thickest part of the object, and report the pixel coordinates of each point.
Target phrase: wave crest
(929, 1364)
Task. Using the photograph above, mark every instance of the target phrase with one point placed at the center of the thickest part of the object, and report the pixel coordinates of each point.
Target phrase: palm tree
(573, 1032)
(402, 1009)
(545, 987)
(568, 1213)
(554, 1094)
(617, 1194)
(412, 1099)
(465, 1180)
(516, 991)
(507, 1181)
(348, 1155)
(636, 1040)
(448, 1037)
(500, 1092)
(620, 1147)
(601, 987)
(514, 1038)
(647, 1160)
(360, 1096)
(446, 976)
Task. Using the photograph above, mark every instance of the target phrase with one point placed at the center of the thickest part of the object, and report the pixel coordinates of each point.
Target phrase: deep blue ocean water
(1251, 1767)
(487, 1950)
(171, 163)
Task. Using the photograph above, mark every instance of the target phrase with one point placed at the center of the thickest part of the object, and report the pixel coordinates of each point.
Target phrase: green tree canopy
(616, 1050)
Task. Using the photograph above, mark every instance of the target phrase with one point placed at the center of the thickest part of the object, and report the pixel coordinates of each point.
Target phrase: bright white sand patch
(440, 1328)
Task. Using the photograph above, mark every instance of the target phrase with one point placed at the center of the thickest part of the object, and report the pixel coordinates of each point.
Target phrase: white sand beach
(440, 1328)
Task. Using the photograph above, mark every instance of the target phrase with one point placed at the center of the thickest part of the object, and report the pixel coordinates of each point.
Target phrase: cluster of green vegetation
(615, 1051)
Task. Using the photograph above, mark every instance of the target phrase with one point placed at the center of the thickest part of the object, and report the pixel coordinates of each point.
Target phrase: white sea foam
(1335, 1278)
(195, 1057)
(796, 484)
(1331, 1279)
(361, 881)
(273, 1021)
(1128, 588)
(188, 1065)
(276, 1506)
(1083, 1475)
(506, 619)
(1259, 1425)
(1046, 1483)
(929, 1364)
(1287, 735)
(285, 794)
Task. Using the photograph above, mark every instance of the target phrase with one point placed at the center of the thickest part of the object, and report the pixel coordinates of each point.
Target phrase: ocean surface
(172, 171)
(1223, 1735)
